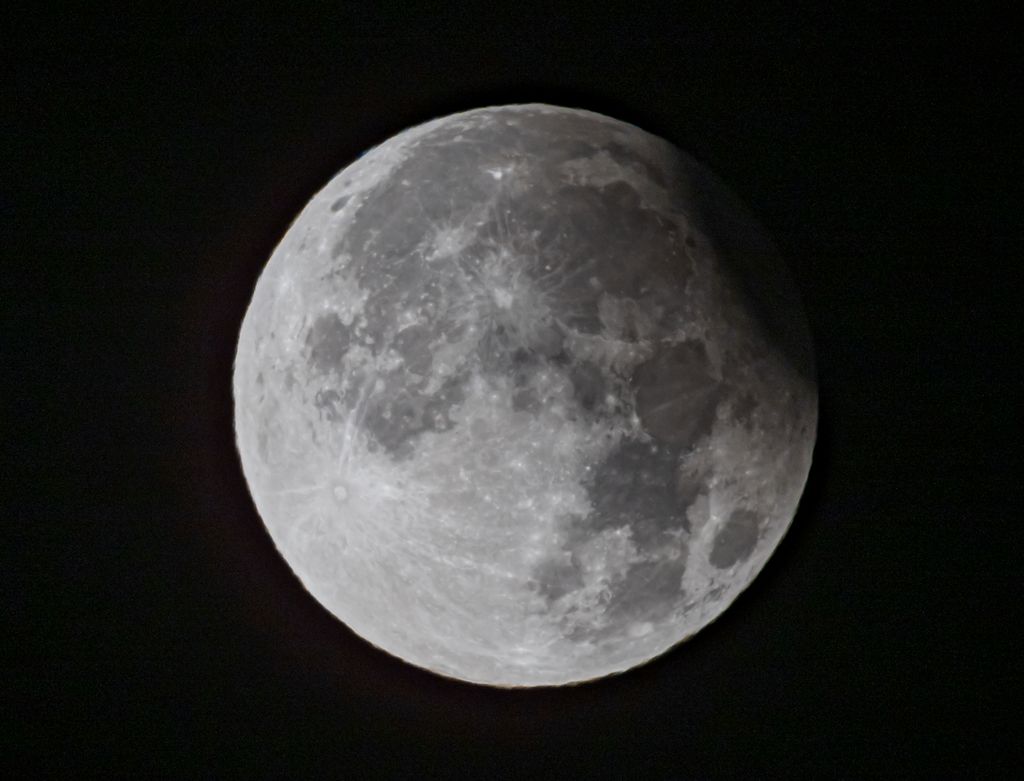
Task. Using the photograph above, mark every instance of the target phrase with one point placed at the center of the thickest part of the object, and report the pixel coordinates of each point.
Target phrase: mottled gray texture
(513, 407)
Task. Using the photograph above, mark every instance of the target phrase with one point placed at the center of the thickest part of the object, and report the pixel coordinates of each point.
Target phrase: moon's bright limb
(524, 397)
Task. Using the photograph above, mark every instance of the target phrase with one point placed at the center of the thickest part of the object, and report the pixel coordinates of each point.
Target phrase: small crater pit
(328, 403)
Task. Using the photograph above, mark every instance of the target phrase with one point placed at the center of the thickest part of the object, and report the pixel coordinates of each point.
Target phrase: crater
(547, 340)
(736, 539)
(328, 403)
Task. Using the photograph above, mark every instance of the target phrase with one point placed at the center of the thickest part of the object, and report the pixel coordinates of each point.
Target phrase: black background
(155, 161)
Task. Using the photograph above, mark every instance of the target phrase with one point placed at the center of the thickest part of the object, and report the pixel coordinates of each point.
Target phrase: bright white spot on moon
(503, 298)
(532, 423)
(639, 630)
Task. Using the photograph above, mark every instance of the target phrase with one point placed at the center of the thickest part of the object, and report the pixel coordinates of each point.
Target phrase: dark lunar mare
(625, 247)
(635, 486)
(630, 250)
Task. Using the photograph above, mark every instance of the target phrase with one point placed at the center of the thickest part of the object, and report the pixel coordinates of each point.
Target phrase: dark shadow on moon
(749, 259)
(747, 256)
(291, 630)
(637, 486)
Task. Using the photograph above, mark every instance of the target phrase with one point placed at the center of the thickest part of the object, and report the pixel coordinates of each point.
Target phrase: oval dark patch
(328, 340)
(589, 385)
(736, 539)
(677, 394)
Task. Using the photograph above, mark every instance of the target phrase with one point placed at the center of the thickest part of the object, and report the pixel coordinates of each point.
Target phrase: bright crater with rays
(524, 397)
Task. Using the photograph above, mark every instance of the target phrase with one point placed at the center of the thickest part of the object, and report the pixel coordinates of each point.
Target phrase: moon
(524, 396)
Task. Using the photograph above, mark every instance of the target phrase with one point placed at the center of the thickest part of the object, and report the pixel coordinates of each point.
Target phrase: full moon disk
(524, 396)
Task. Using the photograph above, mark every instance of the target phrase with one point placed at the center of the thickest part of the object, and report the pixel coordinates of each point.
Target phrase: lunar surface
(524, 397)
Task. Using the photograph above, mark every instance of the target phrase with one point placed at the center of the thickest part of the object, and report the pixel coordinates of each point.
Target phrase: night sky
(154, 161)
